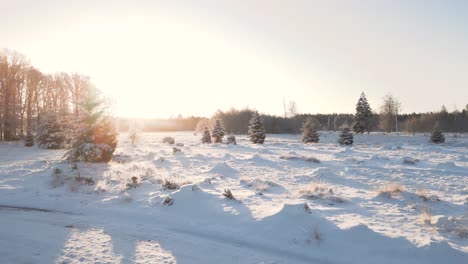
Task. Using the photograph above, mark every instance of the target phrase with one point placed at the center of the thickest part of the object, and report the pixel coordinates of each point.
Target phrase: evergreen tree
(218, 131)
(206, 138)
(29, 140)
(309, 134)
(51, 134)
(256, 130)
(437, 136)
(346, 137)
(362, 119)
(95, 139)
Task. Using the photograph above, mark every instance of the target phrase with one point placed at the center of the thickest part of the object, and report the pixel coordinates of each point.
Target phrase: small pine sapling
(256, 130)
(437, 136)
(309, 134)
(206, 138)
(218, 131)
(346, 137)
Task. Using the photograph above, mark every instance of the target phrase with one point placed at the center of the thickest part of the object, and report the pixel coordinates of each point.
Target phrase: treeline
(27, 95)
(236, 122)
(159, 124)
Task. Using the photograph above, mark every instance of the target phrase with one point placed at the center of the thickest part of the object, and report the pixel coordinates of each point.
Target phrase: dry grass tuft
(319, 190)
(426, 215)
(391, 190)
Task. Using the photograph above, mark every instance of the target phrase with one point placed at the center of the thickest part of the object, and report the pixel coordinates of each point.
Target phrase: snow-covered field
(387, 199)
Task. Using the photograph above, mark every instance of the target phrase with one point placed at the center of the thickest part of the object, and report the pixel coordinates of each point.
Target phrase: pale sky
(164, 58)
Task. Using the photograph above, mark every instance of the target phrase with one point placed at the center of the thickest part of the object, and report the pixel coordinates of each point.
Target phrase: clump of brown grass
(426, 215)
(390, 190)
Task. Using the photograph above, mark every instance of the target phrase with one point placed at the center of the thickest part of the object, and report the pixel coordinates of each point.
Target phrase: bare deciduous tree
(389, 113)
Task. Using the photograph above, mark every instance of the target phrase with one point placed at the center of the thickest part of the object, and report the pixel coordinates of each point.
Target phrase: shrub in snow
(426, 196)
(180, 144)
(29, 140)
(218, 132)
(426, 215)
(231, 139)
(168, 140)
(293, 157)
(133, 137)
(206, 138)
(228, 194)
(168, 200)
(50, 134)
(95, 139)
(84, 180)
(319, 191)
(437, 136)
(135, 182)
(256, 130)
(409, 161)
(175, 150)
(57, 171)
(346, 137)
(309, 134)
(390, 190)
(170, 185)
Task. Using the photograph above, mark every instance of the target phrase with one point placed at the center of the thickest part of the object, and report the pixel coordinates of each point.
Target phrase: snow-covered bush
(168, 140)
(133, 137)
(218, 132)
(437, 136)
(95, 139)
(206, 138)
(319, 190)
(231, 139)
(256, 130)
(134, 183)
(175, 150)
(294, 157)
(346, 137)
(170, 185)
(228, 194)
(29, 140)
(84, 180)
(309, 134)
(51, 134)
(168, 200)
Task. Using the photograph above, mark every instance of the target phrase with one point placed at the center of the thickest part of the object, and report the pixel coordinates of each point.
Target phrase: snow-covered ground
(387, 199)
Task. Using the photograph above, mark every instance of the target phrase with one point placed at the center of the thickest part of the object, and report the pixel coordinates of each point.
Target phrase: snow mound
(448, 164)
(223, 169)
(457, 226)
(197, 203)
(323, 173)
(409, 161)
(260, 185)
(301, 158)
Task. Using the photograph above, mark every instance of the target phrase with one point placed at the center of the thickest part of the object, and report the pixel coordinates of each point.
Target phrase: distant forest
(28, 97)
(236, 122)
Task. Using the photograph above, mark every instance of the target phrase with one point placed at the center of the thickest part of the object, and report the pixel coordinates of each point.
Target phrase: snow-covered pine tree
(29, 140)
(309, 134)
(363, 116)
(206, 138)
(256, 130)
(218, 132)
(95, 139)
(437, 136)
(346, 137)
(51, 134)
